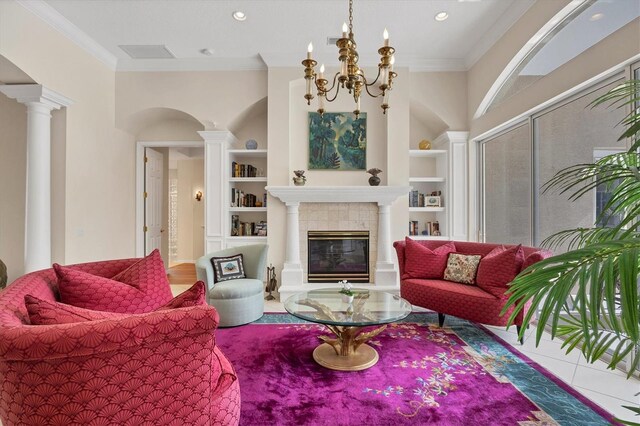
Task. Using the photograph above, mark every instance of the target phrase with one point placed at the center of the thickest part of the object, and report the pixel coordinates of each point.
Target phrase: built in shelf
(248, 179)
(427, 179)
(248, 237)
(427, 152)
(426, 209)
(247, 209)
(429, 237)
(248, 152)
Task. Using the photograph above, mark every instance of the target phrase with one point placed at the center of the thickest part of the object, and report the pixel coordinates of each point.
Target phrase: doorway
(170, 203)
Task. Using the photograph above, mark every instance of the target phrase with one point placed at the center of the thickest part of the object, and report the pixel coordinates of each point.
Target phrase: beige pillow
(462, 268)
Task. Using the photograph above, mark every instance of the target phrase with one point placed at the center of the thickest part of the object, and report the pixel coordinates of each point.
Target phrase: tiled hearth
(339, 217)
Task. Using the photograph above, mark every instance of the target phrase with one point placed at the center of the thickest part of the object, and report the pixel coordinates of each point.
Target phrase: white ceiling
(276, 32)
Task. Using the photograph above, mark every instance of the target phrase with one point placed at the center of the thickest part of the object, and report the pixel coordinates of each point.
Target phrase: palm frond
(590, 278)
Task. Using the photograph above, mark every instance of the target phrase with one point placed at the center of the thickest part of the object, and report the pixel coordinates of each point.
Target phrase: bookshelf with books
(246, 198)
(439, 189)
(428, 198)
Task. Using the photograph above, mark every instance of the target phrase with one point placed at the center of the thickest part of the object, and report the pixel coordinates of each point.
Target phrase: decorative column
(292, 274)
(40, 101)
(216, 175)
(386, 271)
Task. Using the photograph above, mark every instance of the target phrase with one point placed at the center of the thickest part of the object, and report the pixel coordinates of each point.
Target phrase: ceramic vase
(374, 181)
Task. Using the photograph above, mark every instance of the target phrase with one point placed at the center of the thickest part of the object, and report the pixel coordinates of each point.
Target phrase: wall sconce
(199, 195)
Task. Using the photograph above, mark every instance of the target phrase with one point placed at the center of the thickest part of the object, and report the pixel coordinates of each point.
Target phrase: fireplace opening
(338, 255)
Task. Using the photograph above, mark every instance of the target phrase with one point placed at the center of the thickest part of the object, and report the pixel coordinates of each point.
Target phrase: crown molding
(417, 64)
(509, 18)
(192, 64)
(52, 17)
(414, 63)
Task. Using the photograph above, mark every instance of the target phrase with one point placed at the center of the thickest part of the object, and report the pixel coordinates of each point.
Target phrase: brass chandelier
(351, 77)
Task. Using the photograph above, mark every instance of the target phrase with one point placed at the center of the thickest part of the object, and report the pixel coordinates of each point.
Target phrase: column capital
(28, 93)
(218, 136)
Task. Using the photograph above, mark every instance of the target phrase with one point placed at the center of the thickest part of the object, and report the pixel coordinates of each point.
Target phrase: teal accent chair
(239, 301)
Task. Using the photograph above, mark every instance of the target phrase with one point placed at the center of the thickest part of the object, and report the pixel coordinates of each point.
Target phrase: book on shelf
(413, 227)
(247, 229)
(241, 199)
(242, 170)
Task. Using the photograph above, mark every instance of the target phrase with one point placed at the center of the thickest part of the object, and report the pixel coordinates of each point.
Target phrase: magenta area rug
(461, 374)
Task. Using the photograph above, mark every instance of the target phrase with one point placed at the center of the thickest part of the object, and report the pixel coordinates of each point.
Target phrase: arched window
(576, 28)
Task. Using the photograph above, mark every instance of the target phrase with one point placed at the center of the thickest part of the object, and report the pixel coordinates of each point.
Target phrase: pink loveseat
(469, 302)
(157, 368)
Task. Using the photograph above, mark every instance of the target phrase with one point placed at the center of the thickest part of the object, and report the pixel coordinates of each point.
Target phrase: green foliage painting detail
(590, 294)
(337, 141)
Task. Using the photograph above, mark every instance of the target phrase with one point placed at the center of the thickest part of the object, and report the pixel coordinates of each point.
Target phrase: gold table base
(348, 352)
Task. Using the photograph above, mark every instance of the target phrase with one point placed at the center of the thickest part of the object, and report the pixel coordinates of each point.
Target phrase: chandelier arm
(373, 82)
(335, 95)
(332, 86)
(366, 87)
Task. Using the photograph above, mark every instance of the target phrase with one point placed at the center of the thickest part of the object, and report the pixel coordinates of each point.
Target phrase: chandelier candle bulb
(350, 78)
(321, 75)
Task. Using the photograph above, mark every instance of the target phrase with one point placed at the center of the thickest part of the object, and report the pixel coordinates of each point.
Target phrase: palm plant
(589, 295)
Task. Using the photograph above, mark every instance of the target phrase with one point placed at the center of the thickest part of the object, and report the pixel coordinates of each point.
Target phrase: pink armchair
(157, 368)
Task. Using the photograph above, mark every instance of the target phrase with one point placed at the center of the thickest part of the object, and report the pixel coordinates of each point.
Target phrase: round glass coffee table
(348, 351)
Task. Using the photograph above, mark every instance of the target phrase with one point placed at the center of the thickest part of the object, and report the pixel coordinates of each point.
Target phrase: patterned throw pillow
(422, 262)
(45, 312)
(142, 287)
(228, 268)
(462, 268)
(500, 267)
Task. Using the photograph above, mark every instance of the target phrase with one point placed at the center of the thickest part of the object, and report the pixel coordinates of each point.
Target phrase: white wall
(190, 211)
(99, 160)
(13, 157)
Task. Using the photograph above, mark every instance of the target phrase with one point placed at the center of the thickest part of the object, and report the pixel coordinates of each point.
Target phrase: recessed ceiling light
(441, 16)
(596, 17)
(239, 16)
(208, 51)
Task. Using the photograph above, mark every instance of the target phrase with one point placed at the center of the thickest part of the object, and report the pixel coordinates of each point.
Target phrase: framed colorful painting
(337, 141)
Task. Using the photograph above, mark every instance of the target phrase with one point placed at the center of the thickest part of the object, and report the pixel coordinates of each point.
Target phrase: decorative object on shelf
(351, 76)
(199, 195)
(327, 151)
(374, 180)
(432, 201)
(251, 144)
(299, 179)
(346, 292)
(3, 274)
(424, 144)
(272, 282)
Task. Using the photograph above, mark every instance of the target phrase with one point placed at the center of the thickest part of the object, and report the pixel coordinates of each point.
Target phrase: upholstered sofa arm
(92, 338)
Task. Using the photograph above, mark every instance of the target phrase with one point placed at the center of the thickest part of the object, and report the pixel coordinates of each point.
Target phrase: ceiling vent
(331, 41)
(147, 51)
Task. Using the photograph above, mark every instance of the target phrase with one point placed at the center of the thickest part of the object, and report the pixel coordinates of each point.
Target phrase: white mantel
(383, 195)
(292, 278)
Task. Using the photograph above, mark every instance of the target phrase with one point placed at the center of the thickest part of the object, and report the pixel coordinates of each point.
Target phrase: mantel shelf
(383, 195)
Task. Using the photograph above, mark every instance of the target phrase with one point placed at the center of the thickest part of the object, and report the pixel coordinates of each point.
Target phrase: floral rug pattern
(456, 375)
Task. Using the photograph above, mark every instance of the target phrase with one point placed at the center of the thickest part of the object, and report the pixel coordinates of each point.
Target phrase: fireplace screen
(338, 255)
